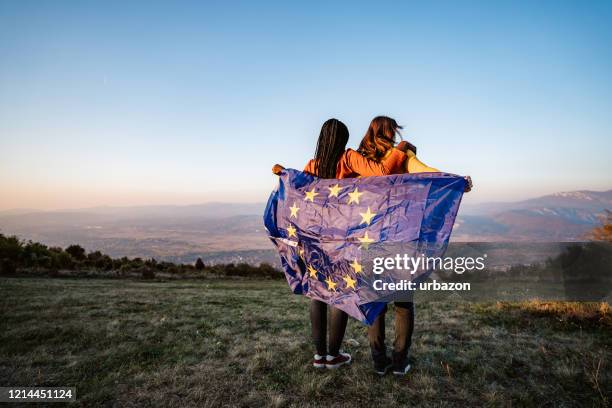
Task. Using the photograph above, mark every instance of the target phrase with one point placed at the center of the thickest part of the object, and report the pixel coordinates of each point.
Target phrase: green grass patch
(246, 343)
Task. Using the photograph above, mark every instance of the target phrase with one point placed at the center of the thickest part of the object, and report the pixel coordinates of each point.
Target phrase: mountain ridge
(171, 231)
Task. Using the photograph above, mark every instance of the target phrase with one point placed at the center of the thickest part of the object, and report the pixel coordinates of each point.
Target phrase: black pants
(404, 326)
(337, 327)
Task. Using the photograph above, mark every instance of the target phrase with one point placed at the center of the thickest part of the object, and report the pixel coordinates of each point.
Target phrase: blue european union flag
(327, 230)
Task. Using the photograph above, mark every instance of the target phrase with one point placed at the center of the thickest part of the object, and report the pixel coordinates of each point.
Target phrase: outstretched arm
(414, 165)
(388, 165)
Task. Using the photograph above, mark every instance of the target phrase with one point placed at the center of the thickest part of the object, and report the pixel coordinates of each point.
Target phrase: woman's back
(352, 164)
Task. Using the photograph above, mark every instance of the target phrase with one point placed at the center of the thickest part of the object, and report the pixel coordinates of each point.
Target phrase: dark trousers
(337, 327)
(404, 326)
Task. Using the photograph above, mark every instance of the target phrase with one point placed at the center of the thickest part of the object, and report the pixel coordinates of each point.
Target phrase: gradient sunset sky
(124, 103)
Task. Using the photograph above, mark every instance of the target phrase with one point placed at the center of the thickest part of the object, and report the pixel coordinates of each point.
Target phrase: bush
(61, 260)
(16, 254)
(116, 264)
(76, 251)
(36, 254)
(125, 268)
(7, 267)
(105, 263)
(10, 248)
(148, 273)
(152, 263)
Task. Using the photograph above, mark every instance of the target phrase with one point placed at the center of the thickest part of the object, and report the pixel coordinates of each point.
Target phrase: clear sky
(121, 103)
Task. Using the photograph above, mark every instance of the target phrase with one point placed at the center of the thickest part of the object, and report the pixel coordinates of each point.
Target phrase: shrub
(77, 252)
(7, 267)
(125, 268)
(116, 264)
(152, 263)
(94, 256)
(10, 247)
(36, 254)
(148, 273)
(105, 263)
(62, 260)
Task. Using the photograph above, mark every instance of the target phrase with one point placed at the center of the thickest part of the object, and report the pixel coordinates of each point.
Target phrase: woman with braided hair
(333, 160)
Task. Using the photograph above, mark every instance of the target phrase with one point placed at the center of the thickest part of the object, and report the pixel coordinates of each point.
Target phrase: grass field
(246, 343)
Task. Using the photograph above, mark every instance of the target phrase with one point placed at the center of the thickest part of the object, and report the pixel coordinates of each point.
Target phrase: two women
(333, 160)
(377, 156)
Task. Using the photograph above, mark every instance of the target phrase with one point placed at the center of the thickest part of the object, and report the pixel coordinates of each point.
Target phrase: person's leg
(318, 323)
(376, 336)
(338, 320)
(337, 328)
(404, 327)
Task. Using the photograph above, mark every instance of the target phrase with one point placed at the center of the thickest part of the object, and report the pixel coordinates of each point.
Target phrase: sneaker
(339, 360)
(402, 370)
(382, 367)
(319, 361)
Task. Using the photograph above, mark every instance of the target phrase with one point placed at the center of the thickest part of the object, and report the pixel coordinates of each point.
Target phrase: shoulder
(309, 166)
(350, 154)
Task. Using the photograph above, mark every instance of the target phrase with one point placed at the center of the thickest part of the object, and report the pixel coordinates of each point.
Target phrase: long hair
(379, 138)
(330, 147)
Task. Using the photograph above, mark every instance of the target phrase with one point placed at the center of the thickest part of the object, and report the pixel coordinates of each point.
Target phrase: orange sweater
(353, 164)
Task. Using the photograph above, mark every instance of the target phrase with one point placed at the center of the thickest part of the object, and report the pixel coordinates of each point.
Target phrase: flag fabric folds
(326, 229)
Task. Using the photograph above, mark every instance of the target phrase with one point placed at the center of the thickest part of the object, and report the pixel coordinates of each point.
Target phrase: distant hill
(565, 216)
(234, 232)
(207, 210)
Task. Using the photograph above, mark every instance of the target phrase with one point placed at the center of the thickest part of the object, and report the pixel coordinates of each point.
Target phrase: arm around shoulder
(367, 168)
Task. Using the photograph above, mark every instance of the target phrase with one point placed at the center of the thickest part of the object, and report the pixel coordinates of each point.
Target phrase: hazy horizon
(262, 202)
(149, 103)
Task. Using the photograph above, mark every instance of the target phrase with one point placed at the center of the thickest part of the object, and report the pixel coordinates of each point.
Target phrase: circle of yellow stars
(366, 218)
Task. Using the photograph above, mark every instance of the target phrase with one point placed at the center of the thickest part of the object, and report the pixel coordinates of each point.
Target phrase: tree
(62, 260)
(94, 256)
(36, 254)
(10, 247)
(76, 252)
(603, 233)
(199, 264)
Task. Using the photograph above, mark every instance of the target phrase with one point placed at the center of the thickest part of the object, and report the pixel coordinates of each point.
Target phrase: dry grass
(581, 314)
(245, 343)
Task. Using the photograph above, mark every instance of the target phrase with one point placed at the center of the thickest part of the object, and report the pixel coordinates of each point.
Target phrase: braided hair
(330, 147)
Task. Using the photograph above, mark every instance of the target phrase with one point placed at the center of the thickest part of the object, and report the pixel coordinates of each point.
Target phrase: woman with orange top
(377, 145)
(333, 160)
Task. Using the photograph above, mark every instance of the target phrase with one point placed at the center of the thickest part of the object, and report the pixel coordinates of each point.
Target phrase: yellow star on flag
(291, 231)
(312, 272)
(354, 196)
(350, 282)
(366, 241)
(294, 209)
(366, 217)
(334, 190)
(356, 266)
(331, 285)
(310, 195)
